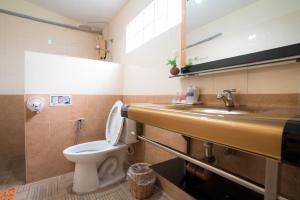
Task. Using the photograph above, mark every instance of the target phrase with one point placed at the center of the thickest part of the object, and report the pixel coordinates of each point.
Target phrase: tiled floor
(12, 172)
(58, 188)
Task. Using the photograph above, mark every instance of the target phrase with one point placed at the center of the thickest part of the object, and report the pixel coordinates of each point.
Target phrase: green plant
(172, 61)
(189, 62)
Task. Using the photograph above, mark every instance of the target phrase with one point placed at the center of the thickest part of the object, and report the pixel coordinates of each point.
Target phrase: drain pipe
(209, 158)
(195, 170)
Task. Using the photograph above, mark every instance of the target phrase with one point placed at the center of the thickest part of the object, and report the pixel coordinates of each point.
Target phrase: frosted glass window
(149, 32)
(130, 30)
(156, 18)
(139, 22)
(173, 17)
(149, 14)
(160, 25)
(161, 8)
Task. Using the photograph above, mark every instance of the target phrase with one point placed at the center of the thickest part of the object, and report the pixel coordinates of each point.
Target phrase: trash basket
(141, 179)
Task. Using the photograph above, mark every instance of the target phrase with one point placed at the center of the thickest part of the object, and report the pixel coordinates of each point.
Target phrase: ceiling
(94, 13)
(201, 12)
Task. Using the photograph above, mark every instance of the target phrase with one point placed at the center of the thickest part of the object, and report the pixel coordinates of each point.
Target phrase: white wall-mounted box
(60, 100)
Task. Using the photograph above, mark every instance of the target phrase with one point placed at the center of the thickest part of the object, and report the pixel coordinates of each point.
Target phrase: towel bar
(270, 192)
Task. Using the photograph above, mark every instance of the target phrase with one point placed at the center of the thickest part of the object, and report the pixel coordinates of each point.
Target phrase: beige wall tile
(38, 137)
(273, 100)
(299, 102)
(148, 98)
(216, 83)
(274, 80)
(204, 83)
(12, 137)
(231, 80)
(145, 152)
(168, 138)
(289, 184)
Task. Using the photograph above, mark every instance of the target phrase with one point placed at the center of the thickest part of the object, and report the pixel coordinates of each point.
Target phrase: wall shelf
(248, 66)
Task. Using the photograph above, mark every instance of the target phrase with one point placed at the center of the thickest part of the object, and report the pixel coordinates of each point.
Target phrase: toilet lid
(114, 124)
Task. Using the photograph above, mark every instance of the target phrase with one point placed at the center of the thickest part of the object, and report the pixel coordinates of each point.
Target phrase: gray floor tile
(12, 173)
(59, 188)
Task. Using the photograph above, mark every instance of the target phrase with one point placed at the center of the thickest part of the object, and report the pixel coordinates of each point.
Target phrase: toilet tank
(129, 132)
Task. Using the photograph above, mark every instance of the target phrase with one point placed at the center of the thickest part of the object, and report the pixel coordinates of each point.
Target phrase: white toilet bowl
(100, 163)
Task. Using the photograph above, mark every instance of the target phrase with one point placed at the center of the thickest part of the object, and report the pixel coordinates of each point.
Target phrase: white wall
(274, 23)
(27, 8)
(18, 35)
(145, 72)
(56, 74)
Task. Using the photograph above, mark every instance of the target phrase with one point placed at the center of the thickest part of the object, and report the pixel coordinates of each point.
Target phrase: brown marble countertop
(254, 130)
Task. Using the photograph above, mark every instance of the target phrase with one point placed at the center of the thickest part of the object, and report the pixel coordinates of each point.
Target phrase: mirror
(218, 31)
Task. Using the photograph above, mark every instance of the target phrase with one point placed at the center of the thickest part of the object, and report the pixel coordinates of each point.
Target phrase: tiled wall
(12, 141)
(94, 90)
(51, 131)
(277, 79)
(18, 35)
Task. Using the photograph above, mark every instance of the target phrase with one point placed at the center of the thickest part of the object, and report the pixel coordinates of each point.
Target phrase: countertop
(254, 130)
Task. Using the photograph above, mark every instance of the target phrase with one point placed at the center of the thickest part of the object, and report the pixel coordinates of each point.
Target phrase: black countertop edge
(290, 150)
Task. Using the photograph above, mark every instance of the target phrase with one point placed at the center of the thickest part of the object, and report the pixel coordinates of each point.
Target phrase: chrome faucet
(227, 97)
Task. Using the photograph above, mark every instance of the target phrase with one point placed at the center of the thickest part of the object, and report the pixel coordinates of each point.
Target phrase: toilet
(100, 163)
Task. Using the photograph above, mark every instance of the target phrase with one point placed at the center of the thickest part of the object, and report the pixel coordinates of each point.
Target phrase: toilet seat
(114, 124)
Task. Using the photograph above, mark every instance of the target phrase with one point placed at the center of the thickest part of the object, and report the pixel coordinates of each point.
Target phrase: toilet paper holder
(35, 104)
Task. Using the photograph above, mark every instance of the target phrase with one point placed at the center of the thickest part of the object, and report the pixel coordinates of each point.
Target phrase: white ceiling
(94, 13)
(205, 11)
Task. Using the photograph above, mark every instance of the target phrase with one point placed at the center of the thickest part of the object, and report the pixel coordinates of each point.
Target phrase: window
(156, 18)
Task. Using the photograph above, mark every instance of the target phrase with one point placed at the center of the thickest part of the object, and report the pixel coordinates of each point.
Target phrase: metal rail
(204, 40)
(46, 21)
(215, 170)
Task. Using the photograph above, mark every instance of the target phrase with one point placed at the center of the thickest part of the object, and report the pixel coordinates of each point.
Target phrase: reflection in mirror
(219, 29)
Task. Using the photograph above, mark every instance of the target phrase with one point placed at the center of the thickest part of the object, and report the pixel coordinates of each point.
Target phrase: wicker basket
(141, 180)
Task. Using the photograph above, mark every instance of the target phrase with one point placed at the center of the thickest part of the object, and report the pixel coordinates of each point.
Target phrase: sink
(214, 110)
(220, 111)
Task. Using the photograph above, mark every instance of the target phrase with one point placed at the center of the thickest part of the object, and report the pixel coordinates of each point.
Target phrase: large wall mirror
(224, 34)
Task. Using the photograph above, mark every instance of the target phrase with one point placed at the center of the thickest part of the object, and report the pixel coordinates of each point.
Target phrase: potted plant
(189, 63)
(172, 62)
